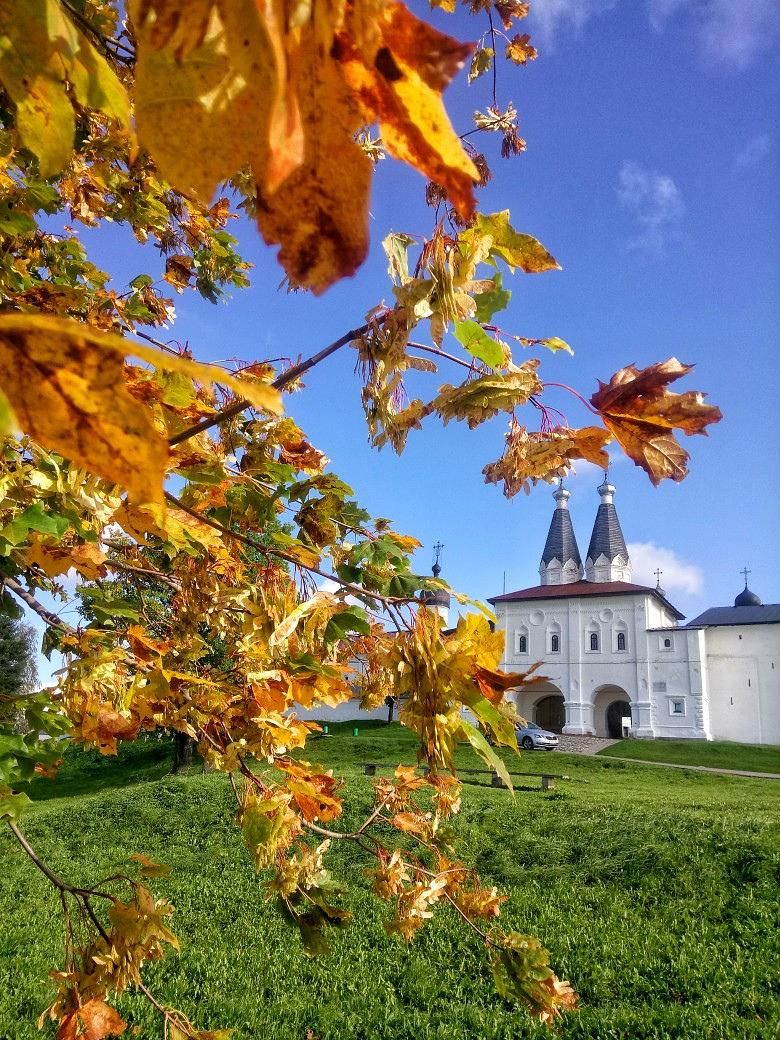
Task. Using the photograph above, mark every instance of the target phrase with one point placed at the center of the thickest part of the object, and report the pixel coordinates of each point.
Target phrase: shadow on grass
(88, 772)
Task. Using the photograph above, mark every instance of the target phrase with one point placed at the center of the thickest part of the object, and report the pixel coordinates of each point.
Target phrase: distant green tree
(18, 669)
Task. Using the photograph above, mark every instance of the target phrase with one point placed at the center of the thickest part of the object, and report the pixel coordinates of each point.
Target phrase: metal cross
(745, 571)
(437, 553)
(658, 572)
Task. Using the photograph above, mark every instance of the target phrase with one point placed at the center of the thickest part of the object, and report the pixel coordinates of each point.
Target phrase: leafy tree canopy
(125, 460)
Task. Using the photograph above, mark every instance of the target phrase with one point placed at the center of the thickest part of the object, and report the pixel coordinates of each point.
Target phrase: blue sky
(651, 174)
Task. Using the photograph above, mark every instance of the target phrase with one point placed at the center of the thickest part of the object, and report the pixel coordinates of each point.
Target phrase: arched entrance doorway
(550, 713)
(611, 704)
(616, 712)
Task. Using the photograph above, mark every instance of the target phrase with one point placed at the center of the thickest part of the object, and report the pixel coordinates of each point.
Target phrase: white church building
(617, 655)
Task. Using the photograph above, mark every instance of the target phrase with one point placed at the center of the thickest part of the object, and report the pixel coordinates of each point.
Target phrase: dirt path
(583, 745)
(698, 769)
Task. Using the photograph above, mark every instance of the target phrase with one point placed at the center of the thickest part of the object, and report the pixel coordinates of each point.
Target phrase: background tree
(18, 667)
(168, 121)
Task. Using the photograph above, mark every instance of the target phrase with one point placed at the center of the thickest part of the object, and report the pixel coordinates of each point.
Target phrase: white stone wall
(578, 671)
(348, 711)
(665, 685)
(677, 684)
(743, 673)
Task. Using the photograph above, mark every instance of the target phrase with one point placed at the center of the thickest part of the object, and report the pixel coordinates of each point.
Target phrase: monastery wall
(743, 668)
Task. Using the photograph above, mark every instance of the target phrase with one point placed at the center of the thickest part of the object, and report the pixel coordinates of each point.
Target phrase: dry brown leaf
(94, 1020)
(319, 216)
(531, 457)
(642, 414)
(400, 85)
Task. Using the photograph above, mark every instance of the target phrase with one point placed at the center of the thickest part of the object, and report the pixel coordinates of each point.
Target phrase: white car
(531, 737)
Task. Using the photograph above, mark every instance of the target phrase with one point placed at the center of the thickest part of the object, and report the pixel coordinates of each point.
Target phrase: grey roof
(575, 589)
(768, 614)
(561, 544)
(607, 538)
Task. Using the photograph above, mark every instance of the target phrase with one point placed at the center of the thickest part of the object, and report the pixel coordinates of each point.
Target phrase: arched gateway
(611, 705)
(550, 713)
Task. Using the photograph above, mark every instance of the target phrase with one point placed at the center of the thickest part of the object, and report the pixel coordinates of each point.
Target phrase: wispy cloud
(756, 149)
(677, 576)
(730, 32)
(548, 17)
(655, 204)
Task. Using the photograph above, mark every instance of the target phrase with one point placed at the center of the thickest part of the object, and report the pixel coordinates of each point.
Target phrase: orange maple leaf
(92, 1021)
(641, 413)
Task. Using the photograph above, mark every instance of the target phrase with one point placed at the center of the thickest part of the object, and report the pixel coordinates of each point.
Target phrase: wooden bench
(547, 779)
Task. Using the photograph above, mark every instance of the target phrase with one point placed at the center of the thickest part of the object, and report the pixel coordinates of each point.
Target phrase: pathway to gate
(592, 745)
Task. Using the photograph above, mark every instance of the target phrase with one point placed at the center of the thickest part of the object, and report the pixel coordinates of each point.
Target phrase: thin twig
(279, 383)
(442, 354)
(82, 894)
(571, 390)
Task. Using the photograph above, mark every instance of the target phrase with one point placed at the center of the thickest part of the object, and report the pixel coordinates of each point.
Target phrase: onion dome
(746, 598)
(437, 599)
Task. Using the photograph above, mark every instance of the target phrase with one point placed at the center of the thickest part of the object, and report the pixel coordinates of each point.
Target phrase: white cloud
(677, 576)
(756, 149)
(730, 32)
(549, 16)
(655, 203)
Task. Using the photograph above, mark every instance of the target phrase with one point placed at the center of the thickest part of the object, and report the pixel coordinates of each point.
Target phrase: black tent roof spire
(561, 562)
(607, 558)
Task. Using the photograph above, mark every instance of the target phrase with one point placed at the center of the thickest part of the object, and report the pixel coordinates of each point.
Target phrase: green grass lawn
(762, 758)
(655, 890)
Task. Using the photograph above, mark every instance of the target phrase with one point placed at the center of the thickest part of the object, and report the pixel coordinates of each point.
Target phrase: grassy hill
(655, 890)
(719, 754)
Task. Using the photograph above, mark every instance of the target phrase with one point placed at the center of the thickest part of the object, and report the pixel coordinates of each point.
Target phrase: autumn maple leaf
(641, 413)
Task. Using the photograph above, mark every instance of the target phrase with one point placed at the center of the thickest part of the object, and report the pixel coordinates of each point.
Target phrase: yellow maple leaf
(65, 386)
(481, 399)
(42, 55)
(399, 83)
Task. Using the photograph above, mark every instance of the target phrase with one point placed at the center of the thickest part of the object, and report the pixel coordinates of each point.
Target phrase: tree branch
(357, 590)
(110, 46)
(48, 616)
(279, 383)
(82, 894)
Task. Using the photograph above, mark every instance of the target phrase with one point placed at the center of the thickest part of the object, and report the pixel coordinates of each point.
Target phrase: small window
(555, 643)
(594, 640)
(667, 643)
(621, 641)
(676, 707)
(522, 645)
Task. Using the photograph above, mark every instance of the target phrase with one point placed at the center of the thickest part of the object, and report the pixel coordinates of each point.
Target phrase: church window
(555, 643)
(676, 707)
(667, 643)
(522, 645)
(621, 640)
(594, 640)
